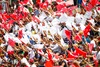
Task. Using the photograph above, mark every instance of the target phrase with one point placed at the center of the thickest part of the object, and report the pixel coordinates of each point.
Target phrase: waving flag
(36, 19)
(20, 34)
(11, 42)
(68, 34)
(90, 47)
(78, 38)
(93, 2)
(87, 30)
(70, 55)
(14, 16)
(10, 50)
(81, 52)
(49, 62)
(87, 7)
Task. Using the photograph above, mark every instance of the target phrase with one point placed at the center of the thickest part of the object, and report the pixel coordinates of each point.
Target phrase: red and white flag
(10, 50)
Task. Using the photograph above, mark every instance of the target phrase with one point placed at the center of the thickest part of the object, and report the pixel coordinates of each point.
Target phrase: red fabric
(87, 7)
(38, 1)
(31, 60)
(43, 5)
(7, 16)
(20, 16)
(59, 7)
(4, 18)
(10, 52)
(5, 26)
(11, 42)
(25, 14)
(40, 51)
(78, 37)
(49, 63)
(8, 26)
(49, 56)
(20, 34)
(26, 1)
(63, 10)
(87, 66)
(86, 30)
(14, 16)
(35, 19)
(95, 61)
(59, 0)
(2, 25)
(98, 2)
(79, 51)
(70, 55)
(18, 64)
(93, 2)
(75, 53)
(99, 38)
(20, 8)
(90, 47)
(11, 22)
(69, 58)
(68, 34)
(0, 7)
(98, 8)
(84, 0)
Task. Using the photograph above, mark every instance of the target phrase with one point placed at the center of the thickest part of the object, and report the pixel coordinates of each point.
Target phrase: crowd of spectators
(50, 35)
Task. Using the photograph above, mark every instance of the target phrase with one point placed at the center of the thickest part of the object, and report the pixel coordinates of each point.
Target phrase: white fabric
(37, 36)
(98, 55)
(38, 46)
(24, 60)
(9, 48)
(78, 18)
(82, 27)
(92, 22)
(6, 36)
(28, 26)
(69, 22)
(42, 16)
(88, 14)
(63, 18)
(16, 40)
(25, 39)
(63, 35)
(33, 65)
(0, 61)
(55, 21)
(2, 45)
(93, 42)
(32, 54)
(62, 42)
